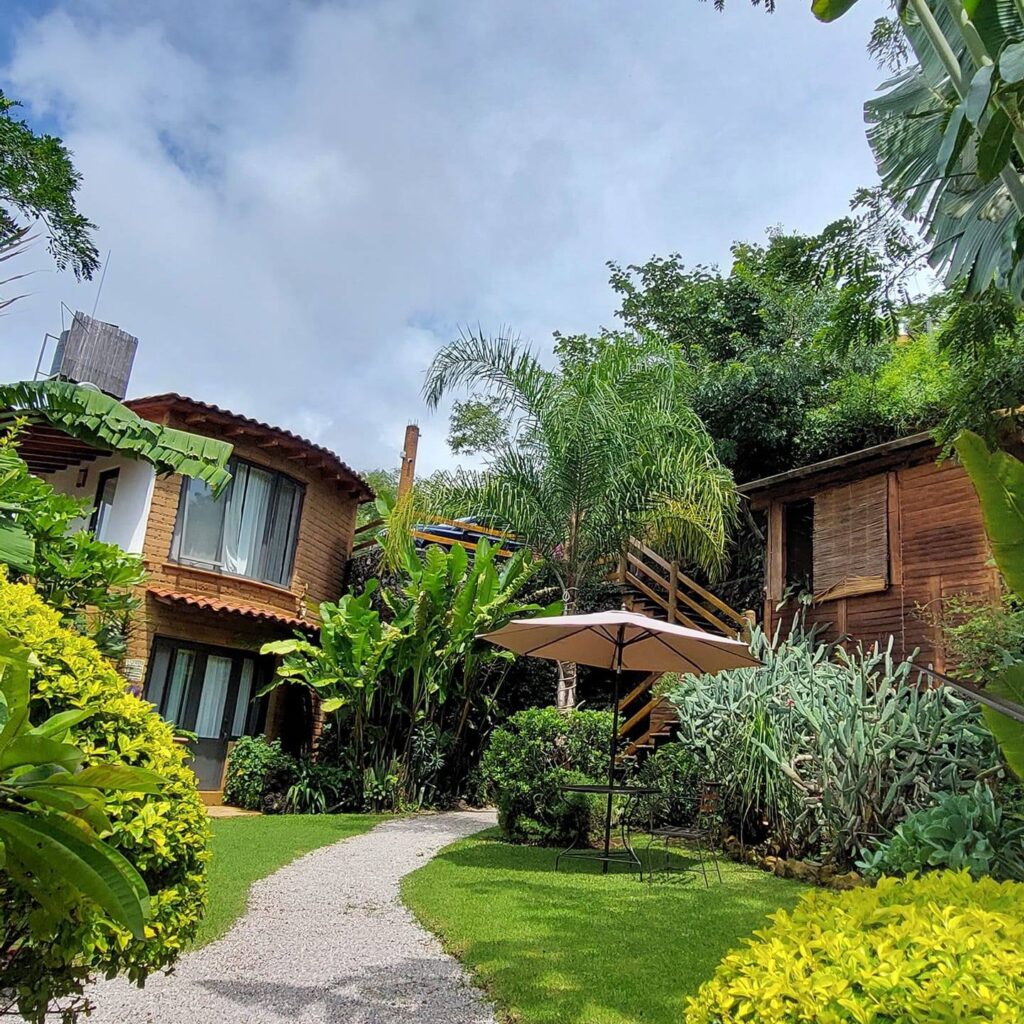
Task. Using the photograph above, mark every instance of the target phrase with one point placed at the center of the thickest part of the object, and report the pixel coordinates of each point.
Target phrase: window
(798, 524)
(250, 530)
(851, 539)
(105, 491)
(207, 690)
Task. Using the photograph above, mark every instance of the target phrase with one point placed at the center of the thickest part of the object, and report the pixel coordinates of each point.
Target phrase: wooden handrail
(645, 555)
(634, 718)
(638, 584)
(641, 688)
(716, 601)
(681, 595)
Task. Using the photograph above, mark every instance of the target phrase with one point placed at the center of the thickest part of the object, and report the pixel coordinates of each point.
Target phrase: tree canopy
(38, 181)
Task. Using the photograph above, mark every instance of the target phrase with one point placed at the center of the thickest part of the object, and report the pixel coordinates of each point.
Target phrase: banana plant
(948, 135)
(51, 808)
(401, 671)
(999, 480)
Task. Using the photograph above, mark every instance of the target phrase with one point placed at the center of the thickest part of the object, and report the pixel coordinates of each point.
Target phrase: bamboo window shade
(851, 539)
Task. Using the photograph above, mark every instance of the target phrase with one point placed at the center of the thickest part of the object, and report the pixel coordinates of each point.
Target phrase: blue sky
(302, 201)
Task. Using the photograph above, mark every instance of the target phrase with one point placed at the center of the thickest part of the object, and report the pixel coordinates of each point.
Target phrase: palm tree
(604, 447)
(948, 136)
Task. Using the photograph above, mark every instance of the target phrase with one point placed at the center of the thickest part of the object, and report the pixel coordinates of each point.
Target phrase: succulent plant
(822, 750)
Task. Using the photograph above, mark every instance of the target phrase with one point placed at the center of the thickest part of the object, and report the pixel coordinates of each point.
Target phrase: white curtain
(244, 696)
(211, 701)
(246, 519)
(183, 662)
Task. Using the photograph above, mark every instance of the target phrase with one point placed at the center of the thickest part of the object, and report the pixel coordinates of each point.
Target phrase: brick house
(225, 575)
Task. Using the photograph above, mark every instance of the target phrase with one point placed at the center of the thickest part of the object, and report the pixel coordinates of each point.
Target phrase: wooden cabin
(880, 537)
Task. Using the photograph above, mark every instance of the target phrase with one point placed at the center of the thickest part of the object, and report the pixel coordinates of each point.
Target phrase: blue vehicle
(467, 530)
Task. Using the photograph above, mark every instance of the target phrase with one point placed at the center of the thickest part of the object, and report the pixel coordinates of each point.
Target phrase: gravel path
(325, 939)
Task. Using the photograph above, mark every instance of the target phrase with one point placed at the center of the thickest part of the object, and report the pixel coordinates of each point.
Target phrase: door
(208, 691)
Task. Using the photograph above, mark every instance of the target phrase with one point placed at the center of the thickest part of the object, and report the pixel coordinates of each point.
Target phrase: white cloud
(304, 201)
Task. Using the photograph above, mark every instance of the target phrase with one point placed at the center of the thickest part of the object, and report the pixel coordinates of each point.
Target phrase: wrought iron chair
(702, 831)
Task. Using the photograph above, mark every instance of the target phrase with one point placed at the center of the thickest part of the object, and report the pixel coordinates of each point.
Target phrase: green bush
(673, 771)
(533, 754)
(940, 949)
(318, 788)
(258, 769)
(983, 637)
(821, 749)
(165, 837)
(969, 831)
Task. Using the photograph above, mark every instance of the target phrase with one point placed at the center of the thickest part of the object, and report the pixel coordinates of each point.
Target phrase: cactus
(823, 749)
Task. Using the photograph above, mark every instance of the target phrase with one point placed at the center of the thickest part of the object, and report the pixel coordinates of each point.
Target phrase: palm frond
(100, 420)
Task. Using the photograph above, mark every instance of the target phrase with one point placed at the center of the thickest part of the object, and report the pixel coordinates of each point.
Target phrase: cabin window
(249, 530)
(851, 539)
(798, 523)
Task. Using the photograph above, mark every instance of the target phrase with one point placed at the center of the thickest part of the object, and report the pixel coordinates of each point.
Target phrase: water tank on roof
(94, 352)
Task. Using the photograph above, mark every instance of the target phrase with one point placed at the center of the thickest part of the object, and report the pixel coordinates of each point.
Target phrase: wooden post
(407, 473)
(751, 621)
(673, 583)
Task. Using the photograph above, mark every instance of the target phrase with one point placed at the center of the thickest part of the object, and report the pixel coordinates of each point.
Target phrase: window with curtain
(210, 691)
(250, 530)
(851, 539)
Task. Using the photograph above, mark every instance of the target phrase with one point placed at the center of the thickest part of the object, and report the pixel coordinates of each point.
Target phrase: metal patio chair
(703, 830)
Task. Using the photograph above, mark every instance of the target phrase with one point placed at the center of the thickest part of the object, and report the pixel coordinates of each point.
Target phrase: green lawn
(247, 849)
(580, 948)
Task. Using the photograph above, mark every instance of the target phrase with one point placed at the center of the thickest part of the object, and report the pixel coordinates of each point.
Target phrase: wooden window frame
(181, 523)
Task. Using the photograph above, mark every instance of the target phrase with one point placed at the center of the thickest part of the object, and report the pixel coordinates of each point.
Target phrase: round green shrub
(940, 949)
(258, 774)
(533, 754)
(164, 836)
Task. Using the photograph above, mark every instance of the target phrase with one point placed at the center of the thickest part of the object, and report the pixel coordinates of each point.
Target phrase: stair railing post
(750, 617)
(673, 583)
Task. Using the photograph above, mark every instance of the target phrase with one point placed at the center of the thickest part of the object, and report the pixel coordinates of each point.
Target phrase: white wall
(126, 523)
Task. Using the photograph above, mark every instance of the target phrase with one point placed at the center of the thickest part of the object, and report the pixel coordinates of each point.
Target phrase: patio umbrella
(621, 640)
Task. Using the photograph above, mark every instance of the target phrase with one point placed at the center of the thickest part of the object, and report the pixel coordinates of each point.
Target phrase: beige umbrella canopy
(622, 641)
(645, 644)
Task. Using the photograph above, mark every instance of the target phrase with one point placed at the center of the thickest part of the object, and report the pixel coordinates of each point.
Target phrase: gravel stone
(324, 939)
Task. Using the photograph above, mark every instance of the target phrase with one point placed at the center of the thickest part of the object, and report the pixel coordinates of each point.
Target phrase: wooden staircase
(657, 587)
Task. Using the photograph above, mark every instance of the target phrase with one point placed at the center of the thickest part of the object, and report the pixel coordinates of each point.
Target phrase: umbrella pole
(611, 753)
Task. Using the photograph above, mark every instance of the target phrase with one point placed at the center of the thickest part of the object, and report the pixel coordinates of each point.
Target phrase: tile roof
(215, 604)
(184, 402)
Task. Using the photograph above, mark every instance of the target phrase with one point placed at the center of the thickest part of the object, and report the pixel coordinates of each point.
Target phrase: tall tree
(768, 339)
(38, 181)
(604, 446)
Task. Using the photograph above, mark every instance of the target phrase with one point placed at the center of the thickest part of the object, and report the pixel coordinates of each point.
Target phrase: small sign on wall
(133, 669)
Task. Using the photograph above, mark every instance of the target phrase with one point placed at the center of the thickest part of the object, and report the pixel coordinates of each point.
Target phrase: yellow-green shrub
(940, 948)
(164, 836)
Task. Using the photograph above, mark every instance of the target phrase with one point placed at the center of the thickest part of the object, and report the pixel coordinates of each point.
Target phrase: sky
(303, 201)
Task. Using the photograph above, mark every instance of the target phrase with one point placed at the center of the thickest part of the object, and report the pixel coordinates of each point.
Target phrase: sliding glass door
(209, 691)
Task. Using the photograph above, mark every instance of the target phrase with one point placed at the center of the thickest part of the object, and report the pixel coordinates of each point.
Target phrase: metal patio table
(627, 855)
